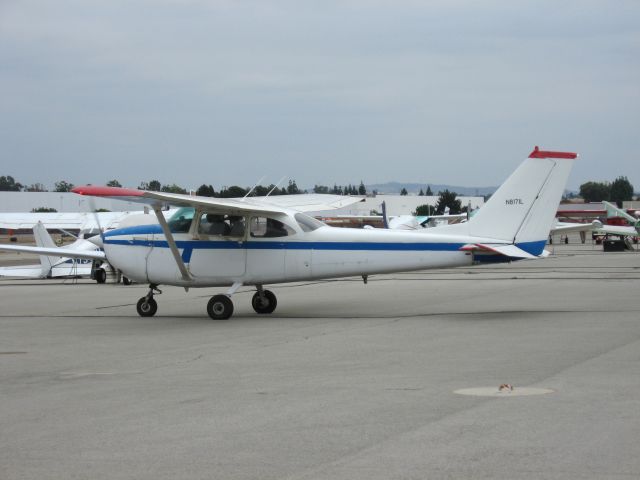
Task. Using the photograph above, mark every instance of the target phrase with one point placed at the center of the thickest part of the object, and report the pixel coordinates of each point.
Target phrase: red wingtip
(107, 191)
(537, 153)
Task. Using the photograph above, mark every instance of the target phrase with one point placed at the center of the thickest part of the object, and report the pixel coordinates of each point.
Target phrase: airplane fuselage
(143, 255)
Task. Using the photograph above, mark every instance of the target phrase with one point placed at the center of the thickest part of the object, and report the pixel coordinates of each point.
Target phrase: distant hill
(396, 187)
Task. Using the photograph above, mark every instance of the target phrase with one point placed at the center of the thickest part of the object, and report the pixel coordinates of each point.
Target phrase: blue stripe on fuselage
(254, 245)
(135, 230)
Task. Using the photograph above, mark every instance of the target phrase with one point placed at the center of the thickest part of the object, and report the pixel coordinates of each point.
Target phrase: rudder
(522, 210)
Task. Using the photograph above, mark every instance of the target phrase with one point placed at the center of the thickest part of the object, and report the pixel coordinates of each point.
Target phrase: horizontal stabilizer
(510, 251)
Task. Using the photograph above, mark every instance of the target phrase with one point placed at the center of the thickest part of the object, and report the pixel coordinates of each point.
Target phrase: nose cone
(97, 241)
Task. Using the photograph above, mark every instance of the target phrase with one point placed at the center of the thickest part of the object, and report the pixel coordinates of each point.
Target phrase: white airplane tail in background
(523, 209)
(44, 240)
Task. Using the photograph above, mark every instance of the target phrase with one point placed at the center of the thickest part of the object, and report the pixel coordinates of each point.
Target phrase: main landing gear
(219, 307)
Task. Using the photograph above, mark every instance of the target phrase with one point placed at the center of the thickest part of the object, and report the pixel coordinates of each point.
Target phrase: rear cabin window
(222, 225)
(263, 227)
(307, 223)
(180, 222)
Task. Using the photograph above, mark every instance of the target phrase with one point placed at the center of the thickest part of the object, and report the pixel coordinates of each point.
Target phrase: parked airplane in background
(633, 229)
(413, 222)
(52, 266)
(258, 241)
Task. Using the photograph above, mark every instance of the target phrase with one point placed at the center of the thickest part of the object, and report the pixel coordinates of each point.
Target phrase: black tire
(147, 308)
(220, 307)
(100, 275)
(264, 305)
(125, 280)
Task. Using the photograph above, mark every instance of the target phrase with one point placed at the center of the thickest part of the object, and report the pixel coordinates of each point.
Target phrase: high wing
(617, 230)
(307, 202)
(55, 251)
(567, 227)
(276, 204)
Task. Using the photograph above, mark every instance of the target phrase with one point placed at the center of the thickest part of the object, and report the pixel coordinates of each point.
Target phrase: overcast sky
(226, 92)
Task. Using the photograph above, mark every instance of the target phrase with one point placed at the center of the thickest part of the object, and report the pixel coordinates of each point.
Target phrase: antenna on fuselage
(276, 185)
(253, 188)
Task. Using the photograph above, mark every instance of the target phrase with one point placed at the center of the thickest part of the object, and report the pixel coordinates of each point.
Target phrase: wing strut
(172, 244)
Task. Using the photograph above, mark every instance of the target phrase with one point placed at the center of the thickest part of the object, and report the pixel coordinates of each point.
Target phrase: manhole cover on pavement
(497, 392)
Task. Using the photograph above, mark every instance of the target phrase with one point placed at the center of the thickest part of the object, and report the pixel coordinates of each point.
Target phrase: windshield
(181, 220)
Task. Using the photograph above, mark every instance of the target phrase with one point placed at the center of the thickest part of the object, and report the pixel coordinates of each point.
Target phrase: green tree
(292, 189)
(429, 192)
(43, 210)
(63, 186)
(206, 191)
(362, 190)
(595, 191)
(404, 191)
(421, 194)
(448, 199)
(173, 188)
(320, 189)
(424, 210)
(36, 187)
(114, 183)
(233, 192)
(8, 184)
(152, 186)
(621, 190)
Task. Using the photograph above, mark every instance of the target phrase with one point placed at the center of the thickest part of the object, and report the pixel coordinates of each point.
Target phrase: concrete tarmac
(343, 381)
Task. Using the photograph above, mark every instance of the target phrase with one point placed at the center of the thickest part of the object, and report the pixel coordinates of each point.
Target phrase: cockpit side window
(263, 227)
(307, 223)
(221, 225)
(180, 222)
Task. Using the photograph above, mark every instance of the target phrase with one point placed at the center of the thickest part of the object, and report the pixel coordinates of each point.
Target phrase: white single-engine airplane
(212, 242)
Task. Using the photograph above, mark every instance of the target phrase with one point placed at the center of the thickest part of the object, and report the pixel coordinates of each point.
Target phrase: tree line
(8, 183)
(618, 191)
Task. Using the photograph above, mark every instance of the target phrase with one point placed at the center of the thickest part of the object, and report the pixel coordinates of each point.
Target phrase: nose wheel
(147, 306)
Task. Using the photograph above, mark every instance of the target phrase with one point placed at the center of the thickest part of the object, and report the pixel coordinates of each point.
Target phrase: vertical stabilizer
(44, 240)
(523, 209)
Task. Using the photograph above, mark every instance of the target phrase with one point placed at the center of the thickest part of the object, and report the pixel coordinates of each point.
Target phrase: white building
(61, 201)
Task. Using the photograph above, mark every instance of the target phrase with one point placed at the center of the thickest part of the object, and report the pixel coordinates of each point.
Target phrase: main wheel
(220, 307)
(147, 308)
(265, 304)
(100, 275)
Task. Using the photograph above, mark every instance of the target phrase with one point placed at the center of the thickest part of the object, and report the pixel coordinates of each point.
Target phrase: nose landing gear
(147, 306)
